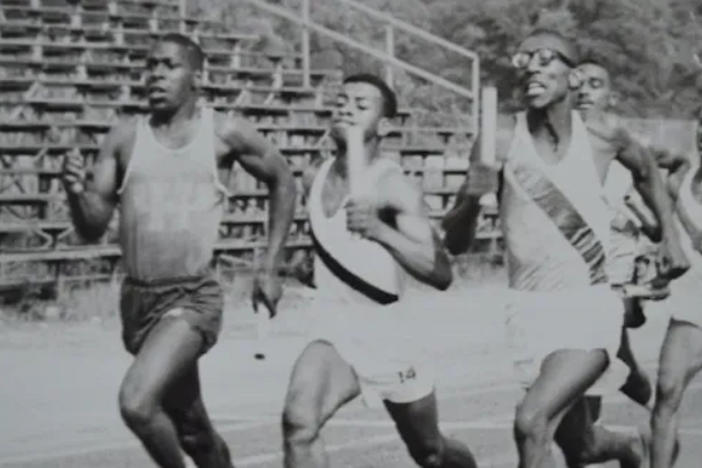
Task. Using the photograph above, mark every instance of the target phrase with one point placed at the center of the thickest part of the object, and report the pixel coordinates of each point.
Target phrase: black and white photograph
(350, 233)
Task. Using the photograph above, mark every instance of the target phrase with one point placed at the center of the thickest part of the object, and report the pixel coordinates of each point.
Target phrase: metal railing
(387, 56)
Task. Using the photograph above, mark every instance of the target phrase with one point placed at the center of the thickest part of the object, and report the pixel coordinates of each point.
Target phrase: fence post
(305, 44)
(390, 50)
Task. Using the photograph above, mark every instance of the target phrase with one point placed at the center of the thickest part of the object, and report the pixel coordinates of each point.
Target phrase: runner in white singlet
(681, 354)
(564, 319)
(365, 244)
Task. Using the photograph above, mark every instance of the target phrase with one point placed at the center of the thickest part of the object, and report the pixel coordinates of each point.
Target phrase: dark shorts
(198, 301)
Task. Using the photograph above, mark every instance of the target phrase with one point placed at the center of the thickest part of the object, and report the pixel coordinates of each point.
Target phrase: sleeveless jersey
(171, 204)
(555, 216)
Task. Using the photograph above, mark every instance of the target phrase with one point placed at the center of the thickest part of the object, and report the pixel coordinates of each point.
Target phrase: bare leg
(195, 432)
(169, 353)
(637, 385)
(417, 423)
(680, 360)
(321, 383)
(584, 443)
(565, 376)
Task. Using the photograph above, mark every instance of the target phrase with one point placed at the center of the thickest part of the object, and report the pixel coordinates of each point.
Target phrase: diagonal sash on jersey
(565, 216)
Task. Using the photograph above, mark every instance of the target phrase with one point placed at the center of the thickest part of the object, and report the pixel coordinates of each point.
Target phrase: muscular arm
(413, 243)
(647, 181)
(91, 210)
(677, 166)
(461, 221)
(259, 158)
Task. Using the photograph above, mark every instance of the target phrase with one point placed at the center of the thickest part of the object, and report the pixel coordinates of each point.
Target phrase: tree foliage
(650, 46)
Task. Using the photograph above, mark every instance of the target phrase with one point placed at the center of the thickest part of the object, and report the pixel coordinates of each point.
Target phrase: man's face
(169, 76)
(358, 104)
(543, 66)
(595, 92)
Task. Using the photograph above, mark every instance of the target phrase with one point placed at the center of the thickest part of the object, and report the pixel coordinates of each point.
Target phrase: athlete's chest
(335, 190)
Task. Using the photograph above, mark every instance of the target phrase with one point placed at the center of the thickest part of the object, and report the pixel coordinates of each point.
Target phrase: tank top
(348, 268)
(555, 216)
(693, 208)
(171, 204)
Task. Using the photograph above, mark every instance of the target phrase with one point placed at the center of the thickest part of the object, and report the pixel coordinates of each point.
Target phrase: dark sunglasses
(544, 56)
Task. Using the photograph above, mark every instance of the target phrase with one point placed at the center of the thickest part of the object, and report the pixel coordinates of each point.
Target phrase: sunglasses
(522, 59)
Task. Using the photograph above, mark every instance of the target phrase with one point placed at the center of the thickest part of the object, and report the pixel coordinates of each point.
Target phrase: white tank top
(693, 208)
(349, 268)
(171, 204)
(556, 227)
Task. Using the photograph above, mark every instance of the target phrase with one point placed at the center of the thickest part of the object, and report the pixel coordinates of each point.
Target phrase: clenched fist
(74, 172)
(362, 218)
(480, 180)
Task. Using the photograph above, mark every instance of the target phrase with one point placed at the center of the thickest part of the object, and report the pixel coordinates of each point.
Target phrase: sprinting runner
(364, 244)
(564, 319)
(681, 354)
(162, 172)
(594, 97)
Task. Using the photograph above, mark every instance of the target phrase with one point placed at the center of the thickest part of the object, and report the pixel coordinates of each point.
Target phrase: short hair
(389, 97)
(193, 52)
(571, 48)
(591, 60)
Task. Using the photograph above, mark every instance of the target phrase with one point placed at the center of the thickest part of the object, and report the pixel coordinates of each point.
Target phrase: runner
(365, 239)
(162, 172)
(681, 354)
(564, 320)
(594, 97)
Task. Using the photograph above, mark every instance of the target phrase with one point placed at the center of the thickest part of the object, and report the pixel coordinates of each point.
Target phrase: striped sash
(565, 216)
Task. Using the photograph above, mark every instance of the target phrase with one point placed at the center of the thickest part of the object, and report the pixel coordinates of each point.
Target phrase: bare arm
(649, 184)
(412, 241)
(460, 222)
(677, 166)
(415, 244)
(259, 158)
(92, 194)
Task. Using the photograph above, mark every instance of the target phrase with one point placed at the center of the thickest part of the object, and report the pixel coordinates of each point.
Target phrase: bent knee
(530, 423)
(669, 388)
(301, 423)
(137, 409)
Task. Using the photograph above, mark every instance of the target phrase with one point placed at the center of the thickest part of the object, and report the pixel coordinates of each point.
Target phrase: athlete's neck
(370, 147)
(553, 123)
(176, 117)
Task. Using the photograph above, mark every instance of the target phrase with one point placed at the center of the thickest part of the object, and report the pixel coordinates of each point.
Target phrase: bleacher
(71, 68)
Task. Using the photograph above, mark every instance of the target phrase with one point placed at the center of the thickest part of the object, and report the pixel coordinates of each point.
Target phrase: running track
(57, 395)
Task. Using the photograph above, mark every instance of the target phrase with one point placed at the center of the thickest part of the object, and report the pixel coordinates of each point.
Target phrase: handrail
(411, 29)
(305, 22)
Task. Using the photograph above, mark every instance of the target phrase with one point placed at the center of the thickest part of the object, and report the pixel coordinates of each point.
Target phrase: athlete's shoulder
(121, 138)
(608, 126)
(310, 173)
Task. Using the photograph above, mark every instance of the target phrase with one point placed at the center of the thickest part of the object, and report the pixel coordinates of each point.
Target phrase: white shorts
(383, 354)
(588, 318)
(683, 303)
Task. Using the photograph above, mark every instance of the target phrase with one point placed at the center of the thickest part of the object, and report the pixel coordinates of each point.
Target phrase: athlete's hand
(74, 172)
(480, 180)
(672, 261)
(362, 218)
(267, 289)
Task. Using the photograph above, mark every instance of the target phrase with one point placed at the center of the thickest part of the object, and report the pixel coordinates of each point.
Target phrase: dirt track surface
(59, 386)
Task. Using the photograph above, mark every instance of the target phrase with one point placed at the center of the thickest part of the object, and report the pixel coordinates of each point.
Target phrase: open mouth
(583, 105)
(535, 89)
